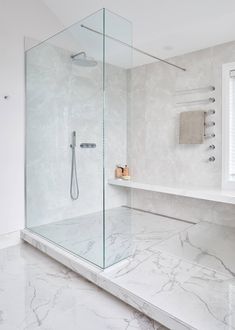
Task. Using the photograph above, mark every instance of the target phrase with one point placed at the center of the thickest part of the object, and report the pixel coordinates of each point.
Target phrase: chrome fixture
(212, 135)
(74, 189)
(87, 145)
(82, 59)
(210, 124)
(212, 147)
(210, 112)
(132, 47)
(204, 101)
(196, 90)
(211, 159)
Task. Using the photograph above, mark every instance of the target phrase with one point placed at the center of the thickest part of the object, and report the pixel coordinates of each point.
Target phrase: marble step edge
(97, 276)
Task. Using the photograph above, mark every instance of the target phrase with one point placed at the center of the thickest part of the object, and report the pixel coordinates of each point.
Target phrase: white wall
(30, 18)
(154, 152)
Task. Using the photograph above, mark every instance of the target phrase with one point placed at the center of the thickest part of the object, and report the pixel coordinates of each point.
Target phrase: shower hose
(74, 189)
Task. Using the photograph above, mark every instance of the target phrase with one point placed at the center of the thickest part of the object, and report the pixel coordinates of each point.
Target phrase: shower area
(95, 104)
(76, 133)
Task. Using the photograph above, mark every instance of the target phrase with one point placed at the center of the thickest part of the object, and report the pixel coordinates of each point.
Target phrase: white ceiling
(165, 28)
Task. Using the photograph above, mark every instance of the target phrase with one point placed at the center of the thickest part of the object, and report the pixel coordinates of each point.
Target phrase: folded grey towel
(192, 127)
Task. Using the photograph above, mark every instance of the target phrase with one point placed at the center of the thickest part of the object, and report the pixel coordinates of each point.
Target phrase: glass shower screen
(76, 124)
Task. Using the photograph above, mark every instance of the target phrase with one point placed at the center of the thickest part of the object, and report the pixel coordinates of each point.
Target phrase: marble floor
(198, 297)
(37, 292)
(206, 244)
(180, 274)
(126, 230)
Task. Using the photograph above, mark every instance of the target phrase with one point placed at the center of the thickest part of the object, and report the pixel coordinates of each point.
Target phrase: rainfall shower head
(83, 60)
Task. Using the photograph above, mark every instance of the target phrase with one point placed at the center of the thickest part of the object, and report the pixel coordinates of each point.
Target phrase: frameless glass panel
(231, 94)
(118, 61)
(64, 144)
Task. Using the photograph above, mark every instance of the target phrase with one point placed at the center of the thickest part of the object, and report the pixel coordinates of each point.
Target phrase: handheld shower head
(74, 188)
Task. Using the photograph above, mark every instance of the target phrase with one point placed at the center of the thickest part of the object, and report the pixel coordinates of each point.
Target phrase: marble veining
(37, 292)
(205, 243)
(125, 231)
(164, 278)
(198, 296)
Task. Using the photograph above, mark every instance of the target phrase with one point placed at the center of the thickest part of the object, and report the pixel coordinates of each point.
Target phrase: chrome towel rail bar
(196, 90)
(204, 101)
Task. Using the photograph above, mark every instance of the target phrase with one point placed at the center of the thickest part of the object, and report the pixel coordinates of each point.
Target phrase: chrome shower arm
(80, 53)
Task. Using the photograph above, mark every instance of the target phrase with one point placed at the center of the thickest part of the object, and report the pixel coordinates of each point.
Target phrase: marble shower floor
(207, 244)
(37, 292)
(126, 230)
(180, 274)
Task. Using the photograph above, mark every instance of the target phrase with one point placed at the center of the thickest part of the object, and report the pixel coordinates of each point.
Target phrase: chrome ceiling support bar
(134, 48)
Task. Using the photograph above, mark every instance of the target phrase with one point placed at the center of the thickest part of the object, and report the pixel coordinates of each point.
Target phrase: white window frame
(227, 183)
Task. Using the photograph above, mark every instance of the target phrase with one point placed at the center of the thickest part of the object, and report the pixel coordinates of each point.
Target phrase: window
(228, 133)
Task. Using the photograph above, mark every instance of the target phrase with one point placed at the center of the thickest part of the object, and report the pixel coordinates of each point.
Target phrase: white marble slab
(205, 243)
(125, 231)
(198, 297)
(36, 292)
(179, 294)
(93, 274)
(215, 195)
